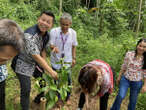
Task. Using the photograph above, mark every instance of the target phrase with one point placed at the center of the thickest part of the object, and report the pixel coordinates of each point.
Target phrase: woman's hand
(87, 101)
(143, 90)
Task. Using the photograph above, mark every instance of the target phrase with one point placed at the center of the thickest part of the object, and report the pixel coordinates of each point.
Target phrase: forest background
(106, 29)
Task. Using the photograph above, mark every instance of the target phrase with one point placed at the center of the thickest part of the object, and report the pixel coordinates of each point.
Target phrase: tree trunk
(43, 103)
(139, 17)
(49, 3)
(97, 6)
(101, 18)
(88, 4)
(60, 8)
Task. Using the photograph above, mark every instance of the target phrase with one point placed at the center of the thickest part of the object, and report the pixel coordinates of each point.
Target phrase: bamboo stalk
(43, 103)
(139, 17)
(60, 7)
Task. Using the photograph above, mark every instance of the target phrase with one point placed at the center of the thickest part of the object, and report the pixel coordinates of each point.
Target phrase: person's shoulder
(28, 36)
(55, 29)
(3, 66)
(130, 53)
(72, 30)
(32, 30)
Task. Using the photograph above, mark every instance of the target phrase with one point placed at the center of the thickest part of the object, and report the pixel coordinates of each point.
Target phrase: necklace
(138, 57)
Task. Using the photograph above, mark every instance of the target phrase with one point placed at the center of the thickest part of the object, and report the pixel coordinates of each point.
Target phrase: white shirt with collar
(57, 38)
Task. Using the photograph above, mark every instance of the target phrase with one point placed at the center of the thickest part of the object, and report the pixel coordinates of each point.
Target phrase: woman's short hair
(87, 78)
(11, 34)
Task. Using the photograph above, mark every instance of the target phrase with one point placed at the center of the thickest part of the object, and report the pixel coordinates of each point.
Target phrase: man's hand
(118, 79)
(54, 75)
(73, 62)
(55, 50)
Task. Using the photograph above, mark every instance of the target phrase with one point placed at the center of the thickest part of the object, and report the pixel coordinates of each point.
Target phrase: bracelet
(74, 58)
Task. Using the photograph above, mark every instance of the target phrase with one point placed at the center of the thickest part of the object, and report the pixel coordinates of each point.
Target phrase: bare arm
(123, 67)
(87, 102)
(2, 63)
(144, 86)
(73, 55)
(45, 65)
(43, 54)
(120, 74)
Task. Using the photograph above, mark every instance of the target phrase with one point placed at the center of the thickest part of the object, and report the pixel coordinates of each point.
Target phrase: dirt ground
(73, 99)
(74, 103)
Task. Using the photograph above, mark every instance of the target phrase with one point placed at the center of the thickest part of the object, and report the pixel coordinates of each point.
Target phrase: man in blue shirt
(11, 42)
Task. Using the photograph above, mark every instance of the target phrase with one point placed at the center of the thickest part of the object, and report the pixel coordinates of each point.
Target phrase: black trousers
(25, 85)
(2, 95)
(38, 74)
(103, 101)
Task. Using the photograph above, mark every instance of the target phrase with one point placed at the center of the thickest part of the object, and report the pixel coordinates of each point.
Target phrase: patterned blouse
(107, 84)
(133, 67)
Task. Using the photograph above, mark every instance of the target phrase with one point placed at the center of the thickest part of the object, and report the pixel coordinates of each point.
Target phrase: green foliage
(112, 20)
(53, 88)
(70, 5)
(106, 36)
(141, 104)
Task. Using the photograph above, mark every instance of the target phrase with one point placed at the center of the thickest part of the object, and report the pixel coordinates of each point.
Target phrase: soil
(94, 104)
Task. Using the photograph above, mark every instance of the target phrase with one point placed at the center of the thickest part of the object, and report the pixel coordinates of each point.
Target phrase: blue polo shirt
(3, 72)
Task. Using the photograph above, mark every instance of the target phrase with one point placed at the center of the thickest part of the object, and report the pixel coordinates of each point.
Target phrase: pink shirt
(107, 84)
(133, 67)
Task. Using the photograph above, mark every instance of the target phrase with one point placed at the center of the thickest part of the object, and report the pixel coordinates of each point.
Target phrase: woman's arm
(120, 74)
(87, 101)
(144, 86)
(123, 67)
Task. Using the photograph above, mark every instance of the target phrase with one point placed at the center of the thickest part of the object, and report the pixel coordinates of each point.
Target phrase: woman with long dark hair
(95, 78)
(131, 75)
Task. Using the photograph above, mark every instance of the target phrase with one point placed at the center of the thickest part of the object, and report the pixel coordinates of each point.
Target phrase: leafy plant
(55, 88)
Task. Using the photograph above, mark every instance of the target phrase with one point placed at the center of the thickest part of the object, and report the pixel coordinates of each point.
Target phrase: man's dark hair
(11, 34)
(49, 14)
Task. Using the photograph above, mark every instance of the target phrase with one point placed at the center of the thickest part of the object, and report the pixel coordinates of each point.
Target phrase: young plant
(55, 90)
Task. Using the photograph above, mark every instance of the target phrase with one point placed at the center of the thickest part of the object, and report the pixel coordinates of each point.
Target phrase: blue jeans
(134, 86)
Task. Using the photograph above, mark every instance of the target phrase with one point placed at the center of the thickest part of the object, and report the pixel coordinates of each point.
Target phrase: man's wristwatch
(74, 58)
